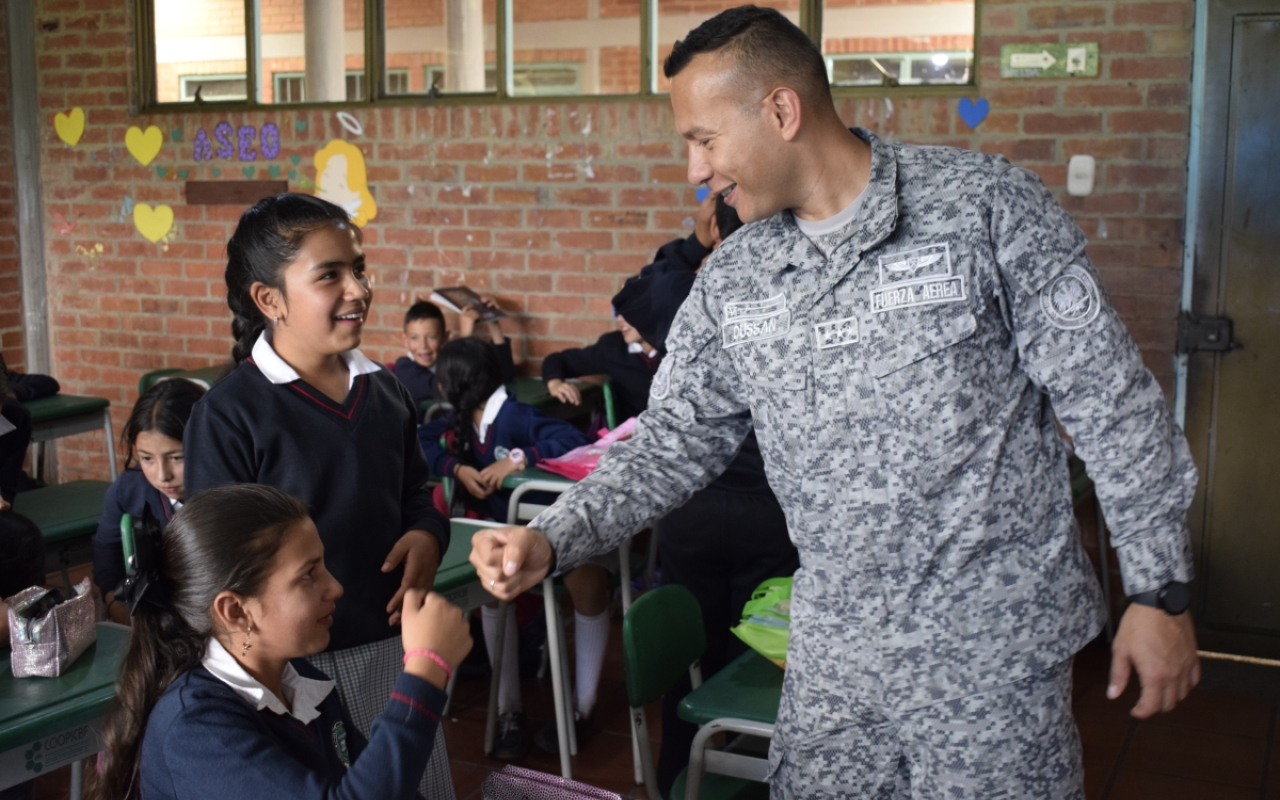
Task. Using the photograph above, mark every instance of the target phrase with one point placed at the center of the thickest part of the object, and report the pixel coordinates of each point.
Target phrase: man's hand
(705, 219)
(564, 391)
(492, 475)
(510, 560)
(470, 478)
(420, 552)
(1163, 651)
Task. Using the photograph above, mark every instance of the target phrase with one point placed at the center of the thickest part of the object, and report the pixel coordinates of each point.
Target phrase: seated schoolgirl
(152, 478)
(487, 437)
(214, 699)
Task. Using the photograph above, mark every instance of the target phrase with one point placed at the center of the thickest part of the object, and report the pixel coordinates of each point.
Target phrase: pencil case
(47, 637)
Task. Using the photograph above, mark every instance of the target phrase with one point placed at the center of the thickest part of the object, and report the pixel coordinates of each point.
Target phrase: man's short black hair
(424, 310)
(766, 46)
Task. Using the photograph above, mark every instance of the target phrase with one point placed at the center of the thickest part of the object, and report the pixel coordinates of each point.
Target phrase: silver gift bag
(46, 646)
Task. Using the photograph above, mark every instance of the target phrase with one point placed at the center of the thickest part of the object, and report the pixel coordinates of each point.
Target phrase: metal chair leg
(624, 567)
(640, 733)
(495, 682)
(557, 681)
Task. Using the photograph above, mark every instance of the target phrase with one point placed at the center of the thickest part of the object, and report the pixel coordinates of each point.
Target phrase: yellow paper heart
(152, 223)
(70, 126)
(144, 146)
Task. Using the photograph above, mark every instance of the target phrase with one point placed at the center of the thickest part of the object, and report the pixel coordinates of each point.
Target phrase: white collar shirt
(278, 371)
(491, 408)
(303, 695)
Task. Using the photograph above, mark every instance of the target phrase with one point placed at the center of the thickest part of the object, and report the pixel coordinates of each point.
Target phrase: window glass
(309, 52)
(677, 17)
(445, 46)
(888, 43)
(575, 47)
(200, 54)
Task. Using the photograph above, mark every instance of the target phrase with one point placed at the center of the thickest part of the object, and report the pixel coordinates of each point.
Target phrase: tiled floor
(1223, 743)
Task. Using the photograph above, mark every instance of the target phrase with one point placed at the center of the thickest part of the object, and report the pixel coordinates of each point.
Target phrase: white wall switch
(1080, 170)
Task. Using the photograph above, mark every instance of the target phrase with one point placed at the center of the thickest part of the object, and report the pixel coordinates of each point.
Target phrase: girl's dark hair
(267, 240)
(468, 371)
(164, 408)
(223, 539)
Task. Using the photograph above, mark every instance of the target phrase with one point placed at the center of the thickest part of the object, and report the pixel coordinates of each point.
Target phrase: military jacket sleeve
(692, 430)
(1073, 346)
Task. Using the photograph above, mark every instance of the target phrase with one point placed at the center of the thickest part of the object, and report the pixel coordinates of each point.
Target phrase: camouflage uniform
(901, 391)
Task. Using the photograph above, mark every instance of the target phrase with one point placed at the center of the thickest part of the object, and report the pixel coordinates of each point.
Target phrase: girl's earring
(248, 637)
(275, 320)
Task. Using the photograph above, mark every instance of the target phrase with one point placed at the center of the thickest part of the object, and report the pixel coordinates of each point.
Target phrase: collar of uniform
(278, 371)
(637, 348)
(304, 694)
(491, 408)
(876, 219)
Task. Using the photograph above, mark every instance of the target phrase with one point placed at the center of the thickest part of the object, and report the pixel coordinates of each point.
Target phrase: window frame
(375, 67)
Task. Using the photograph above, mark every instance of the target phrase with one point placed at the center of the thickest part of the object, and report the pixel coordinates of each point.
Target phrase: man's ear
(269, 300)
(784, 105)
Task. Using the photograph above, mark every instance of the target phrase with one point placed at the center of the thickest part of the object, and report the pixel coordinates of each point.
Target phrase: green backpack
(766, 620)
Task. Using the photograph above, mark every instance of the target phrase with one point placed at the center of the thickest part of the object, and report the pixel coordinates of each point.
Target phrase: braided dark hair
(267, 240)
(468, 371)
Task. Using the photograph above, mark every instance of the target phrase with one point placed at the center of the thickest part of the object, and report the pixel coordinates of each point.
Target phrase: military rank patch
(661, 386)
(1071, 300)
(917, 277)
(340, 744)
(755, 320)
(836, 333)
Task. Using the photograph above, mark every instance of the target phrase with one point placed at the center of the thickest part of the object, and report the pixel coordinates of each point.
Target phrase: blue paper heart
(973, 113)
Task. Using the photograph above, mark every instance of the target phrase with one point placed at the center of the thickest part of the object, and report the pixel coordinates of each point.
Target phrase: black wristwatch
(1173, 598)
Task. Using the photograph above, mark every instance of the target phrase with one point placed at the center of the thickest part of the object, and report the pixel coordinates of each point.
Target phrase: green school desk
(456, 578)
(533, 392)
(48, 722)
(67, 415)
(67, 515)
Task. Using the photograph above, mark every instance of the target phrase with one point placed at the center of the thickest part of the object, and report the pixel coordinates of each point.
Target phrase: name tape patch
(755, 329)
(836, 333)
(905, 295)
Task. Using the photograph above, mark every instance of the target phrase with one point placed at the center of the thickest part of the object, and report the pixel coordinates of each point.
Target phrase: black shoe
(548, 738)
(509, 743)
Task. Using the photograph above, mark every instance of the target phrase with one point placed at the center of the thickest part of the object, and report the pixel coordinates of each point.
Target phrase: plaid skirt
(365, 676)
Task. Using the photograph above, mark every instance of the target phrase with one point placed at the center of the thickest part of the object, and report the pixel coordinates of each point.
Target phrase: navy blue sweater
(130, 494)
(357, 465)
(421, 381)
(205, 742)
(631, 373)
(517, 426)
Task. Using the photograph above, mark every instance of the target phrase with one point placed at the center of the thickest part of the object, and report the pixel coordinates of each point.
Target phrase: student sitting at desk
(152, 478)
(425, 333)
(16, 389)
(215, 698)
(488, 436)
(625, 355)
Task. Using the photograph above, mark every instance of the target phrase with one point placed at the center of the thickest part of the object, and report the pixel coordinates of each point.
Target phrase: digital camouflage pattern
(903, 391)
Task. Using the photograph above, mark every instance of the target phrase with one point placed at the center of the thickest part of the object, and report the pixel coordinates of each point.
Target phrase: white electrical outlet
(1080, 171)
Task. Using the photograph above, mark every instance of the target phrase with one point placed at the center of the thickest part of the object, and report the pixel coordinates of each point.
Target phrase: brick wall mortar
(550, 206)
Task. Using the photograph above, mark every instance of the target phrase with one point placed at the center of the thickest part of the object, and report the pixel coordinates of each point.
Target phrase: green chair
(662, 637)
(66, 514)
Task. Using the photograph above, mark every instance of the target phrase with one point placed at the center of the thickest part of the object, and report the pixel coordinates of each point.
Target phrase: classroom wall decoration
(144, 145)
(342, 179)
(244, 143)
(973, 113)
(153, 223)
(69, 126)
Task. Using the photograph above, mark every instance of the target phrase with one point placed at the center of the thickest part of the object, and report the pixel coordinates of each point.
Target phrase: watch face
(1175, 597)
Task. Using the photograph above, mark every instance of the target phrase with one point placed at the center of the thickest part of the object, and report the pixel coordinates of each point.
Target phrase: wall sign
(244, 143)
(1049, 60)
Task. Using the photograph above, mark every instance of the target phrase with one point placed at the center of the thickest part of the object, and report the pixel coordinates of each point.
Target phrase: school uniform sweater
(204, 741)
(357, 465)
(421, 381)
(517, 426)
(130, 494)
(631, 373)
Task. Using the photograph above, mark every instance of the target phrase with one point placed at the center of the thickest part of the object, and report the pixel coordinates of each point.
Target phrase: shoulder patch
(340, 744)
(662, 379)
(1071, 300)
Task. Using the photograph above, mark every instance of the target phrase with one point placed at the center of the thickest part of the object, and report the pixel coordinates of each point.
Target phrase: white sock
(591, 636)
(509, 683)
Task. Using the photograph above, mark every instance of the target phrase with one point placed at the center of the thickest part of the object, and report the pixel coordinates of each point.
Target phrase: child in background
(425, 333)
(488, 436)
(307, 412)
(152, 478)
(214, 698)
(15, 390)
(625, 355)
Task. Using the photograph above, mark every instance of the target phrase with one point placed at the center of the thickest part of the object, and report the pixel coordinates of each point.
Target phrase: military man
(900, 325)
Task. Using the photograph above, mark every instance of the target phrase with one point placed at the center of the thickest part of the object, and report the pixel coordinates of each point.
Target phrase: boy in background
(425, 333)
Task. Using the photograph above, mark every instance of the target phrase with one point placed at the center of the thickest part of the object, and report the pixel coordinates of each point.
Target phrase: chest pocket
(777, 385)
(932, 380)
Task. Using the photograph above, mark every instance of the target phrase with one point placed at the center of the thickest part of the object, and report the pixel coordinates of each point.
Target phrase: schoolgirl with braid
(307, 412)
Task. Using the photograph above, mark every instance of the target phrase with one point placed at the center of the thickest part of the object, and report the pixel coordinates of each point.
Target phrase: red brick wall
(11, 336)
(550, 206)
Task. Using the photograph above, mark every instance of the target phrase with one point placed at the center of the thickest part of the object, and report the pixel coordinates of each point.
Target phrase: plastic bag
(516, 783)
(579, 462)
(766, 620)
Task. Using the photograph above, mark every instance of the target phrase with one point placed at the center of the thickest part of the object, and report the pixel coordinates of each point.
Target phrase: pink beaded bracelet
(448, 673)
